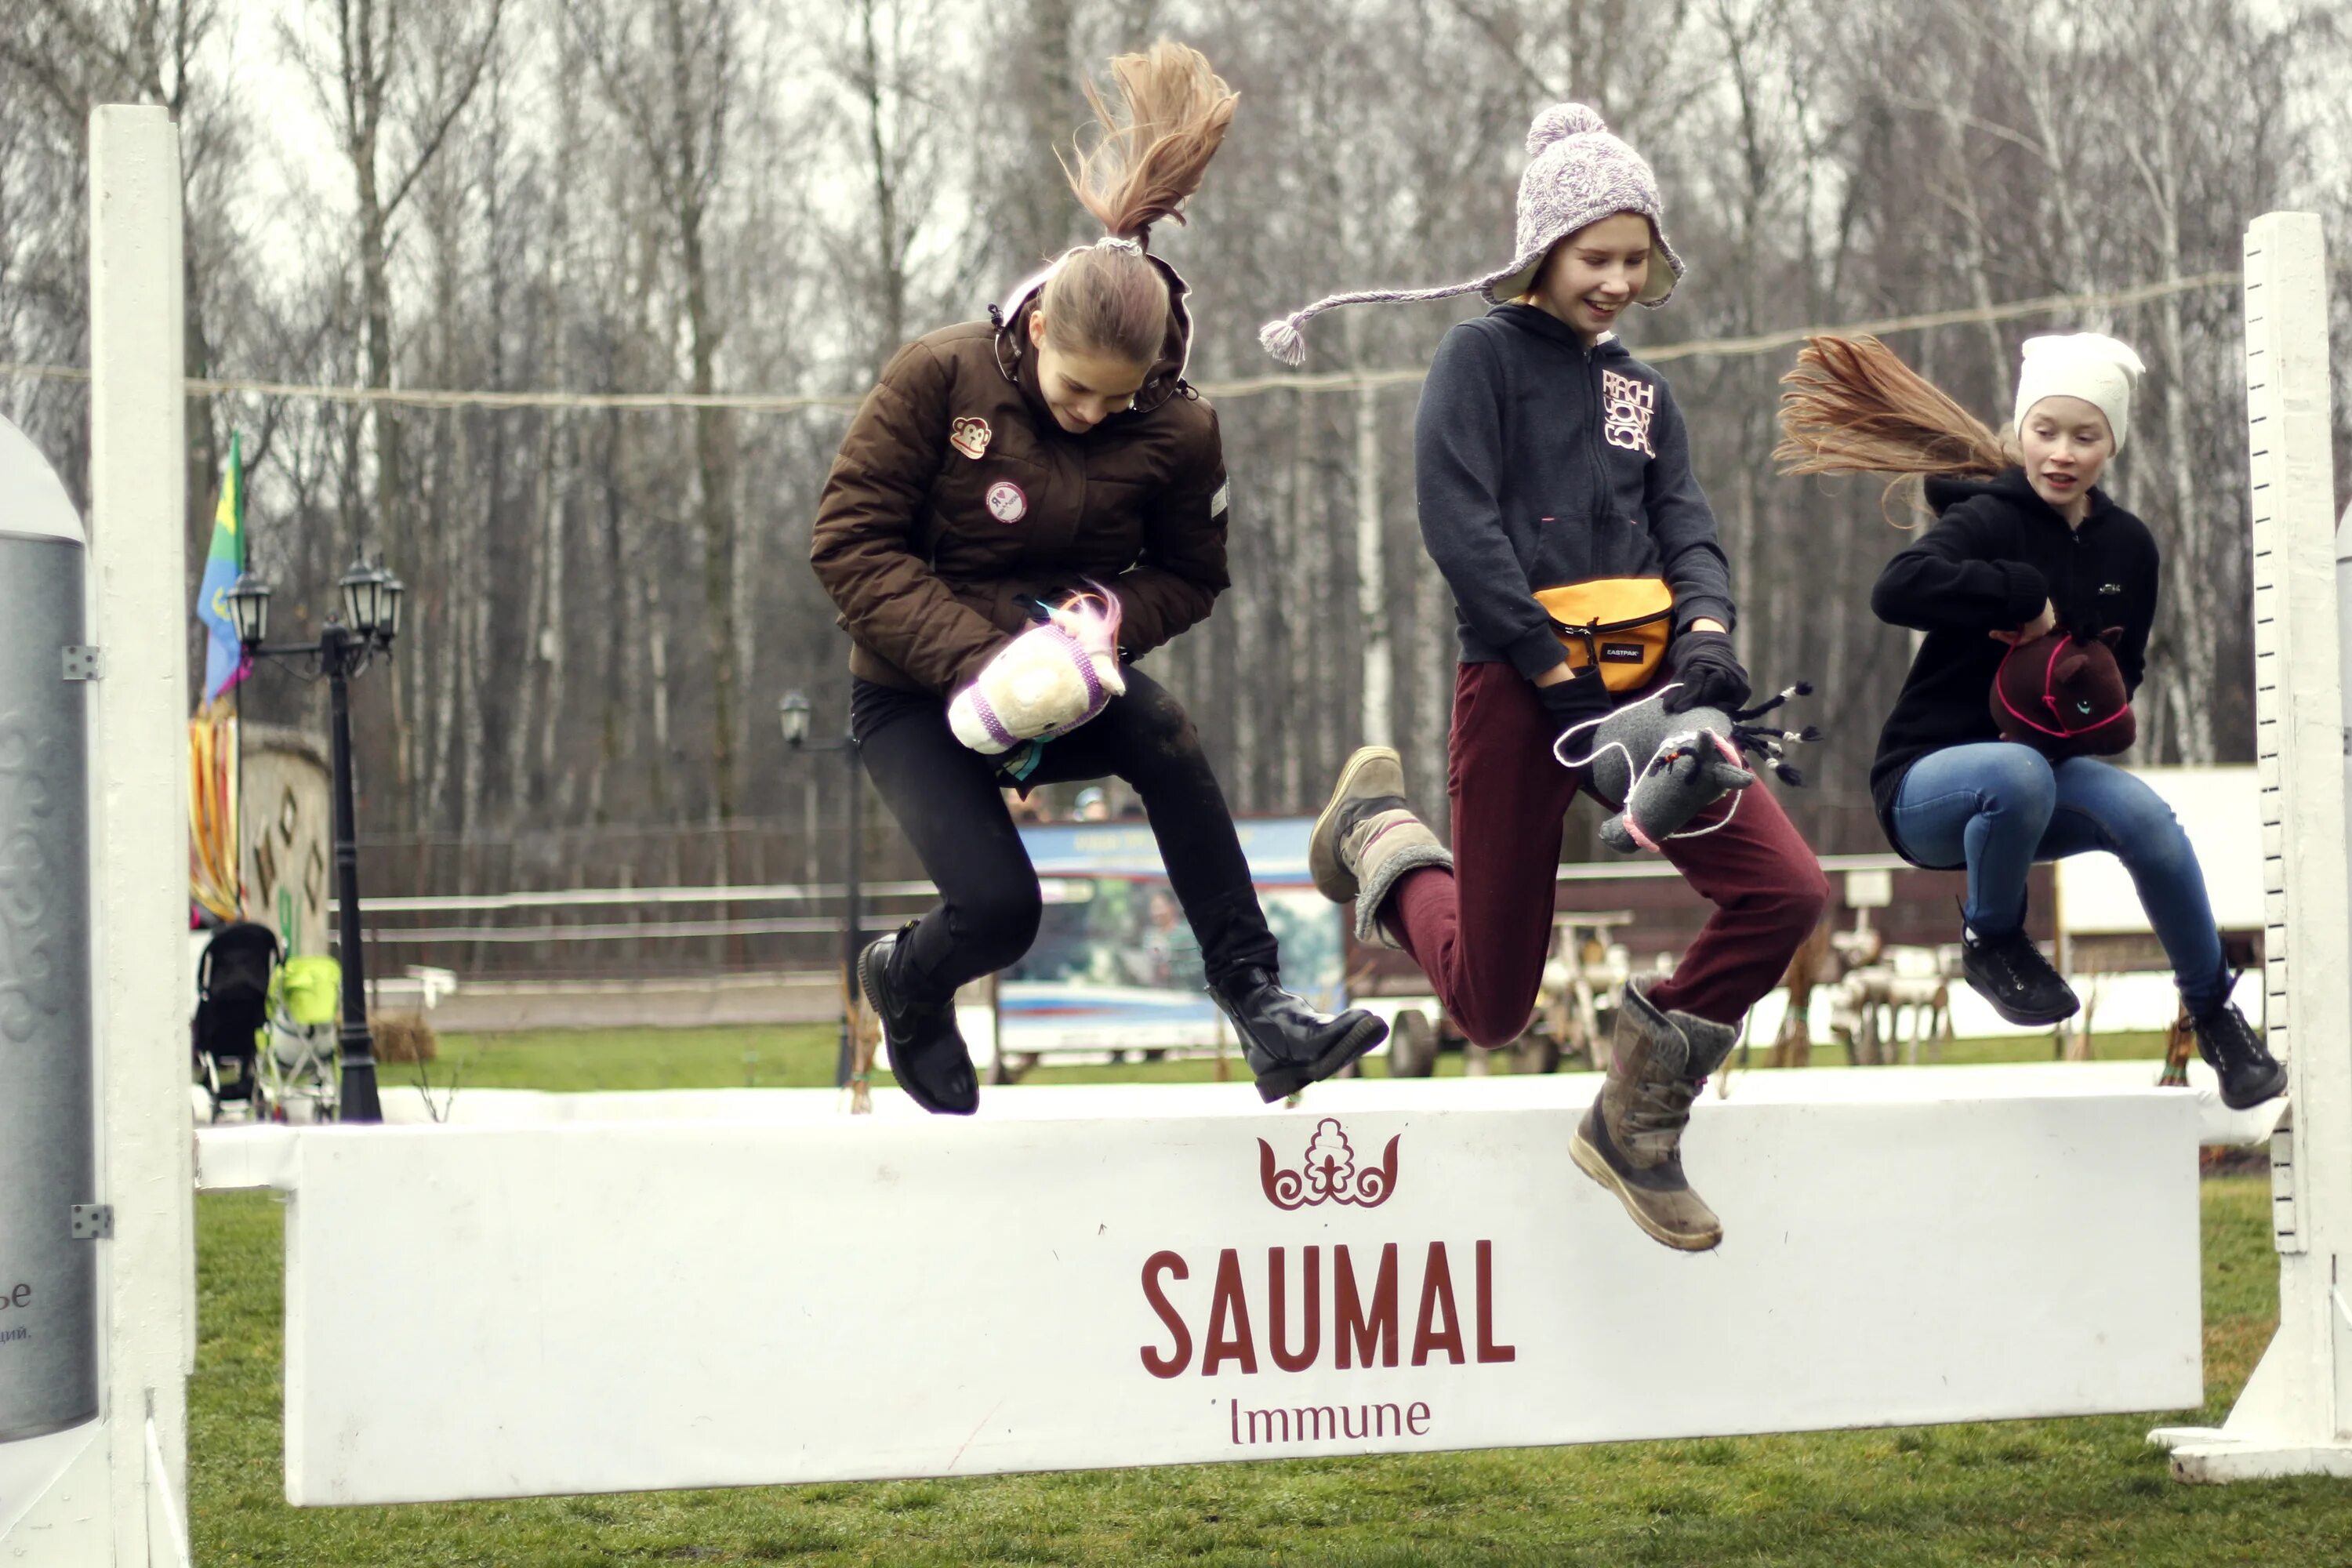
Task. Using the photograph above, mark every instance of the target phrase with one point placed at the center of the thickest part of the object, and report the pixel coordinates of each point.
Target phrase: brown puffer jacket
(958, 502)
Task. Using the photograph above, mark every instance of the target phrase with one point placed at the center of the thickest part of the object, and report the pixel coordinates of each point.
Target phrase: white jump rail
(502, 1311)
(225, 1149)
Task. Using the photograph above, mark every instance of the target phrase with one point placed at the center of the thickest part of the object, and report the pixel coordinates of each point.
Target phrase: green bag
(313, 987)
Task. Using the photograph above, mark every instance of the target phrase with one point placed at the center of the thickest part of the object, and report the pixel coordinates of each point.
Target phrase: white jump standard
(2295, 1414)
(109, 1492)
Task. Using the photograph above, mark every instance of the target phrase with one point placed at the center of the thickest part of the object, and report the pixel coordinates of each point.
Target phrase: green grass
(2074, 1492)
(802, 1056)
(2118, 1047)
(790, 1057)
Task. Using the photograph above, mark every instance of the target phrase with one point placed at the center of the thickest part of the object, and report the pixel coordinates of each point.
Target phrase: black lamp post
(792, 715)
(371, 620)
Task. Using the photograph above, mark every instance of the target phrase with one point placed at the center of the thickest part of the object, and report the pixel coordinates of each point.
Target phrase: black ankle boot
(1287, 1043)
(926, 1050)
(2010, 971)
(2249, 1073)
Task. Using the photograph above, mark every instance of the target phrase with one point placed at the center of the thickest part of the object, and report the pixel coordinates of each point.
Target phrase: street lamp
(249, 607)
(793, 718)
(371, 601)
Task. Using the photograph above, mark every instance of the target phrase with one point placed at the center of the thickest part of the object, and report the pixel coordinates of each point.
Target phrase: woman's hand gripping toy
(1048, 680)
(1661, 769)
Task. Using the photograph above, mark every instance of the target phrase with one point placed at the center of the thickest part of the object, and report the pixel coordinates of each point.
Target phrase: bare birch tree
(673, 82)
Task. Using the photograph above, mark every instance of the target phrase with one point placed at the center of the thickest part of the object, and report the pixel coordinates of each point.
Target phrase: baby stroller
(232, 980)
(297, 1070)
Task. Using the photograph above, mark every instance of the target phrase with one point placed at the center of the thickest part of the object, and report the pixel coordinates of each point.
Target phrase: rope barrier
(1225, 391)
(661, 930)
(568, 898)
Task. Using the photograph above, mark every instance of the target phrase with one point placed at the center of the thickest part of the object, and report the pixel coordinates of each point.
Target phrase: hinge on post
(93, 1222)
(82, 663)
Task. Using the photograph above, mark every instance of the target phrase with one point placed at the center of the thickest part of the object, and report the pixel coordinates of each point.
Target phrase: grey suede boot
(1631, 1141)
(1367, 839)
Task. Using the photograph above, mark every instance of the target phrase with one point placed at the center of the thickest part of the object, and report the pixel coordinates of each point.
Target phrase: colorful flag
(225, 660)
(213, 852)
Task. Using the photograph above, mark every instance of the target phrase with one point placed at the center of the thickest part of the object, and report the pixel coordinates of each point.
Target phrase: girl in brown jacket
(998, 466)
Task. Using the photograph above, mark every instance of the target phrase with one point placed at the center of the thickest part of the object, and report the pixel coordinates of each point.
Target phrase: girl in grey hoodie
(1546, 454)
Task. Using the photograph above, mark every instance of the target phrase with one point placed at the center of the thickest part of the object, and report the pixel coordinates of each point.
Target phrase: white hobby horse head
(1048, 680)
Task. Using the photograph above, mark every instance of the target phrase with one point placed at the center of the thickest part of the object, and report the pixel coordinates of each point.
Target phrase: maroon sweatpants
(1481, 932)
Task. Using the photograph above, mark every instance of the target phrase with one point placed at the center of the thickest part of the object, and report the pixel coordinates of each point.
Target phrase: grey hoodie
(1539, 462)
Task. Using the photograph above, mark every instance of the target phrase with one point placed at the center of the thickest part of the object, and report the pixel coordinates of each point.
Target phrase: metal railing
(673, 929)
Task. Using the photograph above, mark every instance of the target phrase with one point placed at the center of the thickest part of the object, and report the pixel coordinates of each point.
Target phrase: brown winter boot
(1631, 1141)
(1368, 838)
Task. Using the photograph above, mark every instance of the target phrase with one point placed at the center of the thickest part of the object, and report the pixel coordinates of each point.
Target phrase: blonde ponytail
(1156, 143)
(1172, 111)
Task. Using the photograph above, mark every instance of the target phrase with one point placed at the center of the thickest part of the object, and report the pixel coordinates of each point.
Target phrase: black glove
(1709, 672)
(1570, 703)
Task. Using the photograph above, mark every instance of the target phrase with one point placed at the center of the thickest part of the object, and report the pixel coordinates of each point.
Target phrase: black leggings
(946, 798)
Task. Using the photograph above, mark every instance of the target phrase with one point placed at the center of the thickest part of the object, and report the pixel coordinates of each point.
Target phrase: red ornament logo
(1328, 1174)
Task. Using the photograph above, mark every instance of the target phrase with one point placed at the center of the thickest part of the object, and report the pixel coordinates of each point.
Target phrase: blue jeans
(1997, 806)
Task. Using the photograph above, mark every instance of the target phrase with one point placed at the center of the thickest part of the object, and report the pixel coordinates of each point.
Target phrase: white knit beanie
(1577, 174)
(2089, 365)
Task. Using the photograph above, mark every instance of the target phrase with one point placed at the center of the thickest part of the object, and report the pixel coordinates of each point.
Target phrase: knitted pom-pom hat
(1577, 175)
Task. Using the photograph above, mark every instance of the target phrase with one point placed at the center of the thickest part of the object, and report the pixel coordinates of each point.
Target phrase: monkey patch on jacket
(2064, 695)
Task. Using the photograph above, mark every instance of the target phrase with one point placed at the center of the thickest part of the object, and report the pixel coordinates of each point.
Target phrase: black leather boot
(1287, 1043)
(2249, 1073)
(926, 1050)
(2010, 971)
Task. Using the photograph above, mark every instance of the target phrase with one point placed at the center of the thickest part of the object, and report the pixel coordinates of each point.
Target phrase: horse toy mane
(1660, 769)
(1046, 682)
(2063, 694)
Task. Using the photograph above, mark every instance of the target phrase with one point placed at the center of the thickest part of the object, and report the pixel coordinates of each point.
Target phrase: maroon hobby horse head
(2064, 695)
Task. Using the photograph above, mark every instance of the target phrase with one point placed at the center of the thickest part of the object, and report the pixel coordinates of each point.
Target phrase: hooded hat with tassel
(1577, 174)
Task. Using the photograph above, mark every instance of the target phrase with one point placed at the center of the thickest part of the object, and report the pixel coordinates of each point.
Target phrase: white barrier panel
(480, 1313)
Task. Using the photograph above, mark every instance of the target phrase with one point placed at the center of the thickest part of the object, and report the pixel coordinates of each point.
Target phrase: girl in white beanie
(2024, 541)
(1555, 485)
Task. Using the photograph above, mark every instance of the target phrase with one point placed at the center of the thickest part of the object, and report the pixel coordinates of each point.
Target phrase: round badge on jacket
(1005, 501)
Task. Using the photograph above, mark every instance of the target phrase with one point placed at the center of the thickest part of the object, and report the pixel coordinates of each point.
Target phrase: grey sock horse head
(1661, 769)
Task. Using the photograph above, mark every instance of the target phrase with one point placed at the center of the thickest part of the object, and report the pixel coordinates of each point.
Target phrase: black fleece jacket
(1996, 554)
(1539, 462)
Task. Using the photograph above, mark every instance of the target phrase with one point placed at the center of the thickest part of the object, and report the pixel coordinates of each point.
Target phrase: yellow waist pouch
(1620, 623)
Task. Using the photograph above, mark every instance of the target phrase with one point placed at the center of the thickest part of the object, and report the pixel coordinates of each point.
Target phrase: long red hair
(1851, 407)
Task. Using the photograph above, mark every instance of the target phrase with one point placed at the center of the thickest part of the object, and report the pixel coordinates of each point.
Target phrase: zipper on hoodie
(2074, 612)
(1599, 459)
